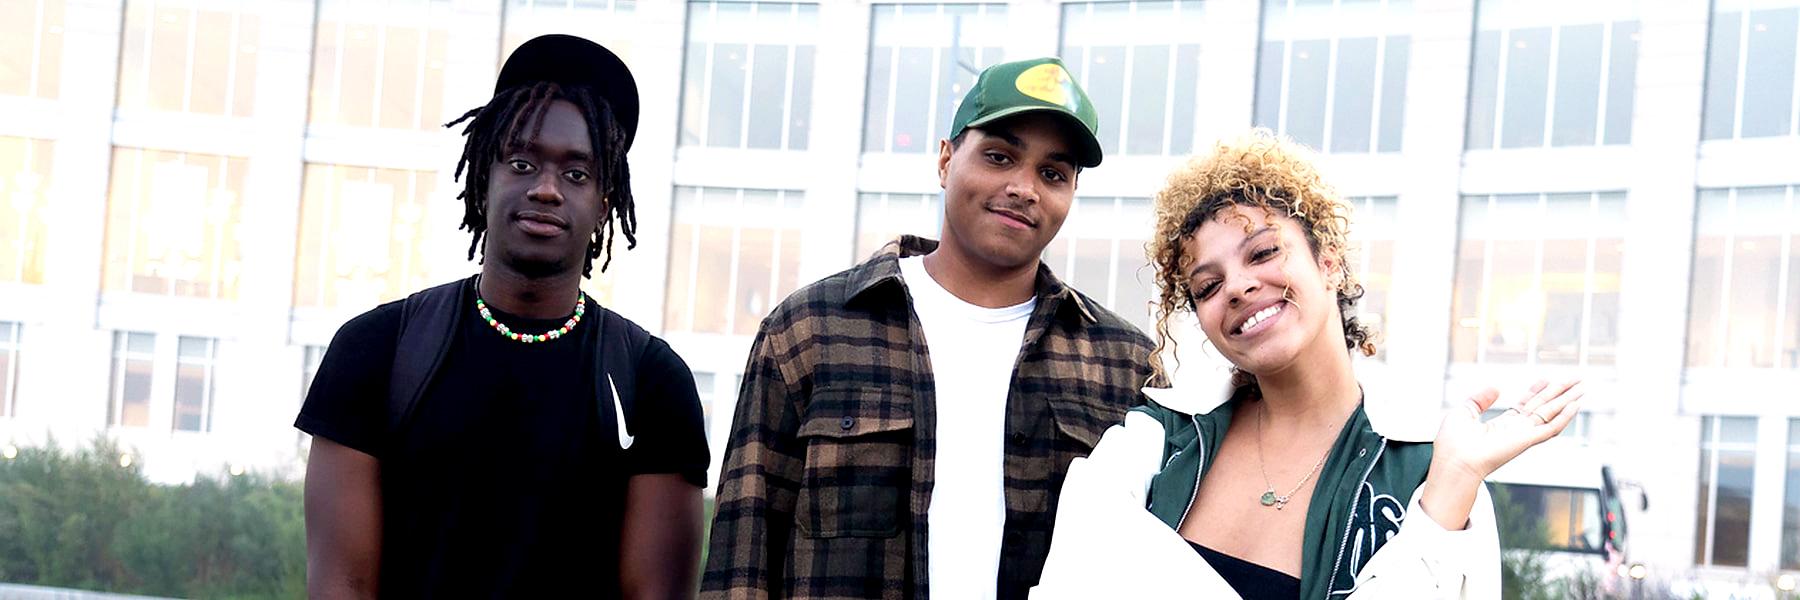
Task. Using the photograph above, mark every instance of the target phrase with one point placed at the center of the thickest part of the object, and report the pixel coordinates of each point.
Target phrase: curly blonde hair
(1262, 170)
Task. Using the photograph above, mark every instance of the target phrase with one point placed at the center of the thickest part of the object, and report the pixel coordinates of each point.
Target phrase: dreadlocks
(500, 127)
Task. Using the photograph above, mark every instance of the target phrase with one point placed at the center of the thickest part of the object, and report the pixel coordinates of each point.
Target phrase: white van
(1560, 499)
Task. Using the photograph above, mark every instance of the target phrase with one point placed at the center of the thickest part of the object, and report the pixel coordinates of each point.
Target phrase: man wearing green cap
(904, 425)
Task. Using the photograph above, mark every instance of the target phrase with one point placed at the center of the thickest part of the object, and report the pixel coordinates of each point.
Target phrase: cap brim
(571, 60)
(1088, 153)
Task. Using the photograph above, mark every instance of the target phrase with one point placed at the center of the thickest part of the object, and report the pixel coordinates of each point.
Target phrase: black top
(505, 481)
(1251, 580)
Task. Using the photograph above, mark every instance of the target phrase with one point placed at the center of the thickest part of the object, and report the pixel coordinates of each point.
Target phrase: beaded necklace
(527, 338)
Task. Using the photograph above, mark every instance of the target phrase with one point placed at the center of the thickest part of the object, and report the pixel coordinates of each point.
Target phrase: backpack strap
(622, 343)
(428, 320)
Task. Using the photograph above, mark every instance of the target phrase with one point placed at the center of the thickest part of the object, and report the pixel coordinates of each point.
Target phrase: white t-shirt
(973, 350)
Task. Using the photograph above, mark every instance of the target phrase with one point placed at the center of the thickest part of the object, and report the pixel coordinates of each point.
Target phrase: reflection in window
(1374, 227)
(189, 56)
(749, 75)
(31, 43)
(1139, 63)
(1550, 73)
(133, 360)
(172, 224)
(194, 362)
(360, 236)
(380, 64)
(1332, 74)
(9, 367)
(1790, 506)
(1569, 518)
(1750, 86)
(25, 204)
(607, 22)
(734, 254)
(1727, 483)
(1100, 251)
(1745, 308)
(1537, 279)
(922, 58)
(883, 218)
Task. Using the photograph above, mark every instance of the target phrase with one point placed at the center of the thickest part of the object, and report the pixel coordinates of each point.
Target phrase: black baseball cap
(571, 60)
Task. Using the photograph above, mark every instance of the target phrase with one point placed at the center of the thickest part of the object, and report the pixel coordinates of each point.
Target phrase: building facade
(199, 192)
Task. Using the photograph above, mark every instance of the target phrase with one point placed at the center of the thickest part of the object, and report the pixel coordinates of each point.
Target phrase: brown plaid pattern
(829, 470)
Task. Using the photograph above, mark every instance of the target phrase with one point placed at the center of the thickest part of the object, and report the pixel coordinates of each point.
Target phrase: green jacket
(1367, 489)
(1361, 497)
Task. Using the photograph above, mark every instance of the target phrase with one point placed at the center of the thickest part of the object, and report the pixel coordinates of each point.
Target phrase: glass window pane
(1577, 86)
(1269, 75)
(1393, 91)
(1310, 65)
(912, 89)
(800, 102)
(1527, 85)
(25, 168)
(1790, 509)
(1731, 521)
(1187, 77)
(693, 86)
(725, 119)
(1484, 90)
(1769, 72)
(768, 86)
(1621, 82)
(1721, 75)
(1353, 94)
(191, 387)
(1106, 88)
(1755, 272)
(1149, 90)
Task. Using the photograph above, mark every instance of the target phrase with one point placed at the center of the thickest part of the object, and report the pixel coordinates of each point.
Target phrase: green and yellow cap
(1013, 88)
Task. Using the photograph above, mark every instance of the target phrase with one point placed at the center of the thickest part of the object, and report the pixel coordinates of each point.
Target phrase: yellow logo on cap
(1047, 82)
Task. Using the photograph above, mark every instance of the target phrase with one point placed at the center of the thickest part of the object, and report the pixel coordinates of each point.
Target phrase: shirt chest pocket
(859, 450)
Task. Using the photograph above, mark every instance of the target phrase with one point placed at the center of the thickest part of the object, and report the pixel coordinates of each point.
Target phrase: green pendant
(1268, 498)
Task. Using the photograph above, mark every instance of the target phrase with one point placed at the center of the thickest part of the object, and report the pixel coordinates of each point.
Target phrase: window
(922, 59)
(734, 254)
(1568, 518)
(1537, 280)
(133, 360)
(1790, 511)
(189, 56)
(1374, 228)
(25, 201)
(881, 218)
(194, 362)
(1750, 75)
(1745, 307)
(9, 367)
(361, 233)
(1140, 65)
(31, 43)
(172, 224)
(749, 75)
(380, 65)
(1552, 73)
(1727, 483)
(1100, 251)
(1332, 74)
(608, 22)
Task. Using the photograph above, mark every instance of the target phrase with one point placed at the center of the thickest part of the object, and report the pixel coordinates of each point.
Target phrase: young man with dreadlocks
(505, 435)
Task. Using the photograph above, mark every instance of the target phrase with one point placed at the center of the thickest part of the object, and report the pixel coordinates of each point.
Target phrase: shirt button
(1018, 438)
(847, 423)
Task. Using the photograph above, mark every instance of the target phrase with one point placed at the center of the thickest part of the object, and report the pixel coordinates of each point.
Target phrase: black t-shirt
(505, 481)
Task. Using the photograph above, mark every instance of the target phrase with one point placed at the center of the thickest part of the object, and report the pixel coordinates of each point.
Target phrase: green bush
(79, 520)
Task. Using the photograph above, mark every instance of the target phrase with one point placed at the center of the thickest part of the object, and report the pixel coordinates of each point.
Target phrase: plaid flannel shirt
(828, 475)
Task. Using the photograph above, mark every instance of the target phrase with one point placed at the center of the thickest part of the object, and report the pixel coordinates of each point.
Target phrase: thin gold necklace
(1270, 498)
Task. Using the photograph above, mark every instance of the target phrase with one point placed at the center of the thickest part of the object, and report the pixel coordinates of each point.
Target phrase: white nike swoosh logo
(619, 411)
